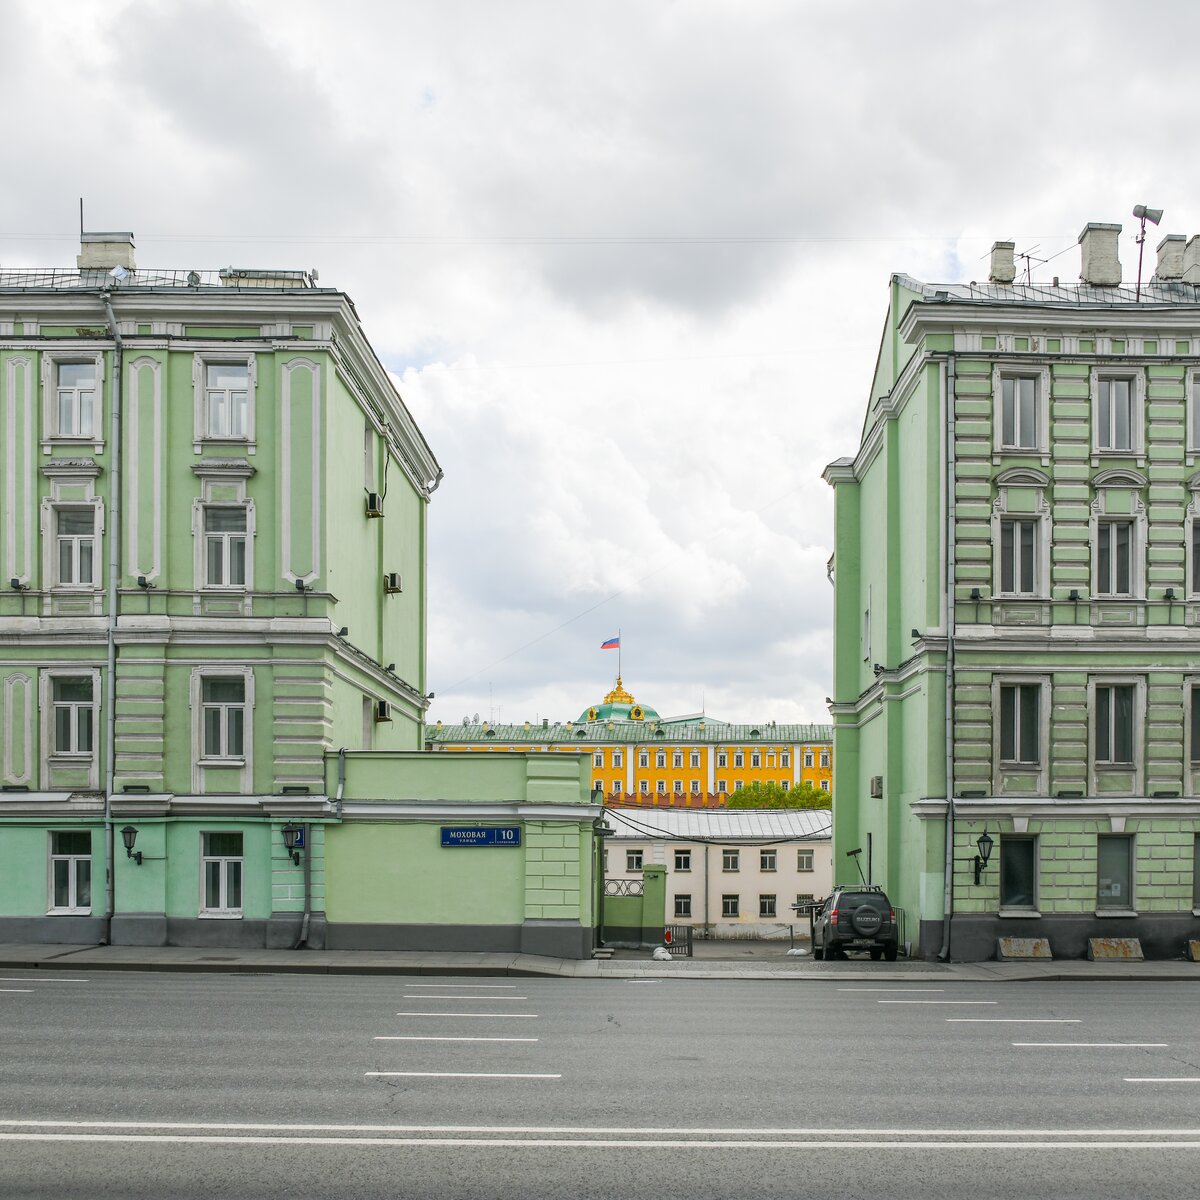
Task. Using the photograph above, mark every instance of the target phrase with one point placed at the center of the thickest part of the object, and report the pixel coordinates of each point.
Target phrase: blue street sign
(481, 835)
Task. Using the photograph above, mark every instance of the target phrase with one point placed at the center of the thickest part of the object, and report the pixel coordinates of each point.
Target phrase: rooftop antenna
(81, 218)
(1144, 214)
(1030, 259)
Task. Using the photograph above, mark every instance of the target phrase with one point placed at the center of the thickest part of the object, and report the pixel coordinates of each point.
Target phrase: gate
(678, 940)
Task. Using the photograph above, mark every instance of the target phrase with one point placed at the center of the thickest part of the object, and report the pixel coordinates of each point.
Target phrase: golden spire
(618, 695)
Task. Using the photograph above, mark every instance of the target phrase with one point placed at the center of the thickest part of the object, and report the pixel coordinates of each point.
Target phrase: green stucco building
(212, 629)
(1017, 625)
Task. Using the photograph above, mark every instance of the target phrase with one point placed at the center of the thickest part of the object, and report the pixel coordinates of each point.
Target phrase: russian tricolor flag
(611, 644)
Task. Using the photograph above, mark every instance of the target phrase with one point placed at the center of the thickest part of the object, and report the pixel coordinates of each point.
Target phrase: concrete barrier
(1010, 949)
(1115, 949)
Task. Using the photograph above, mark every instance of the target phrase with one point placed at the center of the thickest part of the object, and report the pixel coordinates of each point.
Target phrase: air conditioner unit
(877, 787)
(383, 710)
(374, 504)
(392, 582)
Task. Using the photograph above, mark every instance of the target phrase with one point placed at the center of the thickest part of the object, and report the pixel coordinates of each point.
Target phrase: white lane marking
(1179, 1079)
(643, 981)
(1013, 1020)
(1095, 1045)
(16, 990)
(595, 1143)
(30, 979)
(886, 989)
(514, 1016)
(415, 1038)
(447, 986)
(454, 1075)
(468, 999)
(937, 1001)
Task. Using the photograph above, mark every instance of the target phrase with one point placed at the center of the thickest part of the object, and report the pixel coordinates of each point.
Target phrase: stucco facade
(1017, 602)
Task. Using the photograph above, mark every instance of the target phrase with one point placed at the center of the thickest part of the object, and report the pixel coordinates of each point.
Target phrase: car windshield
(854, 899)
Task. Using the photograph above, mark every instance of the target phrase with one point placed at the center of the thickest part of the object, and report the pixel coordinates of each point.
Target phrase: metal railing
(56, 278)
(678, 940)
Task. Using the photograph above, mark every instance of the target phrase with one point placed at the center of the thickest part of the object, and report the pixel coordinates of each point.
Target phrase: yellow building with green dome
(640, 757)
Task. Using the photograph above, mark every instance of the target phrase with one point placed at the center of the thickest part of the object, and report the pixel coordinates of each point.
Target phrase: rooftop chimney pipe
(1170, 257)
(1004, 268)
(1101, 266)
(104, 251)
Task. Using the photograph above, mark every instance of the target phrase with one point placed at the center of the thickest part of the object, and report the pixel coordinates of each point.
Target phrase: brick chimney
(1101, 266)
(1191, 261)
(1003, 269)
(1170, 257)
(104, 251)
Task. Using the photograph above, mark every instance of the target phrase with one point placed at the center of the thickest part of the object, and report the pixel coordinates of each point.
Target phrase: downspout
(707, 910)
(303, 939)
(948, 378)
(113, 518)
(341, 788)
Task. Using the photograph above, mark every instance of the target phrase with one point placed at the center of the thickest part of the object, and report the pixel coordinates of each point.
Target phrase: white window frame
(722, 758)
(768, 860)
(644, 758)
(660, 787)
(731, 859)
(825, 760)
(694, 759)
(635, 860)
(677, 787)
(1005, 767)
(597, 758)
(1041, 377)
(1134, 769)
(756, 758)
(722, 790)
(768, 905)
(785, 758)
(1193, 412)
(808, 759)
(683, 859)
(618, 759)
(1105, 485)
(54, 546)
(731, 905)
(51, 361)
(50, 756)
(805, 859)
(73, 907)
(824, 785)
(75, 708)
(616, 787)
(677, 760)
(1191, 530)
(695, 787)
(644, 787)
(226, 537)
(201, 361)
(739, 758)
(1022, 482)
(202, 762)
(660, 760)
(222, 911)
(1137, 404)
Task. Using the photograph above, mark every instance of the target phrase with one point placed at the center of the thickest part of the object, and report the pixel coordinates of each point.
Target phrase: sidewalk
(738, 961)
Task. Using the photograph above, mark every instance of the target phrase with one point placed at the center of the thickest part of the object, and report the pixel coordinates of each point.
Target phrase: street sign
(481, 835)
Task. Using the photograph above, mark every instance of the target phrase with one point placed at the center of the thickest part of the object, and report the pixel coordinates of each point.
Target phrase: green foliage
(772, 795)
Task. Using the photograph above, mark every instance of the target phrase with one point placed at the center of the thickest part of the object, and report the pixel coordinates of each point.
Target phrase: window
(1019, 417)
(785, 758)
(223, 716)
(633, 860)
(825, 758)
(221, 872)
(756, 759)
(683, 905)
(1020, 725)
(1018, 561)
(785, 784)
(616, 787)
(730, 906)
(643, 759)
(74, 715)
(804, 860)
(721, 788)
(694, 759)
(1114, 717)
(683, 860)
(75, 395)
(1114, 558)
(227, 400)
(1114, 871)
(729, 860)
(738, 759)
(1196, 872)
(660, 759)
(737, 785)
(677, 758)
(808, 758)
(766, 860)
(75, 535)
(618, 758)
(1018, 872)
(1194, 753)
(766, 906)
(804, 897)
(722, 758)
(678, 787)
(225, 546)
(824, 785)
(1195, 544)
(695, 787)
(661, 787)
(598, 758)
(644, 786)
(71, 871)
(1116, 428)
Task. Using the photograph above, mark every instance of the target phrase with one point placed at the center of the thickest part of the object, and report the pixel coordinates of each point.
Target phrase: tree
(772, 795)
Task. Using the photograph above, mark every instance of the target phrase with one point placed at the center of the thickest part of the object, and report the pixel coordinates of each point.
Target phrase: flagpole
(618, 652)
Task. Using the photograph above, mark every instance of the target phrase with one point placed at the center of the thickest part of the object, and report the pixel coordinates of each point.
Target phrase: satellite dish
(119, 274)
(193, 278)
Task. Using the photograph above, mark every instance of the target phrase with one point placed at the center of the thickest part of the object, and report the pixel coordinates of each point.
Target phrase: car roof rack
(858, 887)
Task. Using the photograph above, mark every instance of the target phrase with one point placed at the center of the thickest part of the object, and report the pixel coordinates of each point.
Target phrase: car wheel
(818, 953)
(890, 951)
(876, 953)
(866, 920)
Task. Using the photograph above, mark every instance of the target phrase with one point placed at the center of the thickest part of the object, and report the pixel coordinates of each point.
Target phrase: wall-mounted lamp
(985, 844)
(291, 835)
(17, 585)
(129, 836)
(300, 586)
(1073, 594)
(976, 595)
(1168, 594)
(144, 583)
(878, 668)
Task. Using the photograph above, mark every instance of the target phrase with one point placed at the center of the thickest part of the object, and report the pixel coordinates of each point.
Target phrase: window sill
(221, 762)
(1116, 912)
(1018, 913)
(68, 912)
(71, 760)
(220, 916)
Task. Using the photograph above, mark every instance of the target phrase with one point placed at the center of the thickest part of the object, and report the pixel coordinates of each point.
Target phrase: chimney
(1170, 257)
(1004, 269)
(1191, 261)
(104, 251)
(1101, 266)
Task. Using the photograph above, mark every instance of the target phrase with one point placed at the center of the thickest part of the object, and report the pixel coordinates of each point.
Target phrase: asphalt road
(163, 1085)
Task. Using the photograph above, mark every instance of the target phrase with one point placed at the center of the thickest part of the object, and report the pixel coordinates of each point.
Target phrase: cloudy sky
(628, 262)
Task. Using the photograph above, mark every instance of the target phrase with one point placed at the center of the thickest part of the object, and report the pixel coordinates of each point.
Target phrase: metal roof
(1172, 293)
(719, 825)
(562, 733)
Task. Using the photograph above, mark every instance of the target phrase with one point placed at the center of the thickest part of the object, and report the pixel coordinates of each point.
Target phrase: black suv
(856, 918)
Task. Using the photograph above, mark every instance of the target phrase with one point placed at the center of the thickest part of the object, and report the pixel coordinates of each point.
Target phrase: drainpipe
(948, 893)
(303, 939)
(114, 573)
(341, 788)
(707, 910)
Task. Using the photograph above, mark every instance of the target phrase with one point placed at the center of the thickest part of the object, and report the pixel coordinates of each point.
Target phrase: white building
(731, 873)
